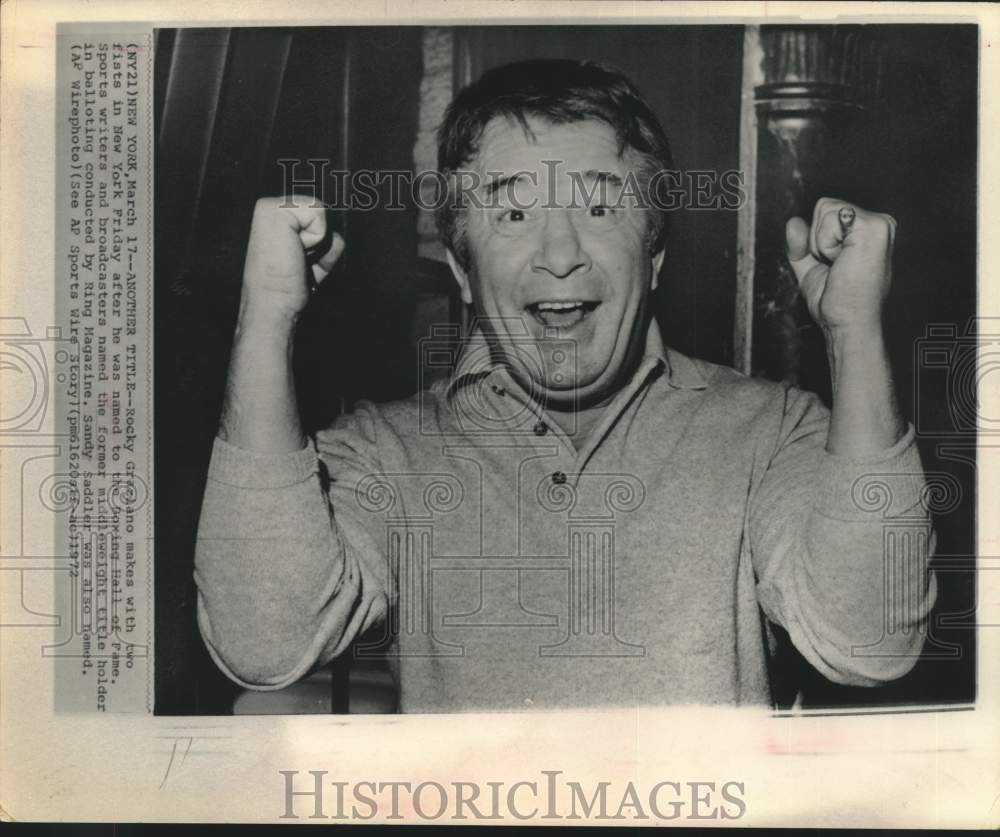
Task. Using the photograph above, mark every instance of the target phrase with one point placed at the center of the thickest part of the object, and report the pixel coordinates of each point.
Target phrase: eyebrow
(495, 186)
(600, 175)
(603, 177)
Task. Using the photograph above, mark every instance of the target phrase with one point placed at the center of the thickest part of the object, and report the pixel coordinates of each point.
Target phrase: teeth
(558, 306)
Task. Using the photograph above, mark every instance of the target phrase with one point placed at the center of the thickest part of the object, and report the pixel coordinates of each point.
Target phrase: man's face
(578, 271)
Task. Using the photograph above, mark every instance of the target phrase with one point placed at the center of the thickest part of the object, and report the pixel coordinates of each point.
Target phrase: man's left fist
(843, 263)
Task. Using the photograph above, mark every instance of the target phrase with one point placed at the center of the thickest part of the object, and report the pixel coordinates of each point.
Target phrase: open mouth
(563, 313)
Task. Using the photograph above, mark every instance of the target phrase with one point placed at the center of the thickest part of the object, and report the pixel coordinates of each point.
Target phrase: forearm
(279, 581)
(848, 545)
(866, 418)
(841, 543)
(863, 582)
(260, 411)
(265, 549)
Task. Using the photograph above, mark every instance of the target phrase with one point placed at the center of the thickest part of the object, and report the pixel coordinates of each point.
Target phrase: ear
(657, 264)
(460, 276)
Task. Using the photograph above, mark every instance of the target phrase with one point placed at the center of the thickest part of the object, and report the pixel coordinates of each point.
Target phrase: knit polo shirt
(460, 535)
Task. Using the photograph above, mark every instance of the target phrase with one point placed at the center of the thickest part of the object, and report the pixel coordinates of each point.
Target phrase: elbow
(250, 660)
(873, 668)
(872, 654)
(862, 611)
(261, 606)
(252, 634)
(264, 636)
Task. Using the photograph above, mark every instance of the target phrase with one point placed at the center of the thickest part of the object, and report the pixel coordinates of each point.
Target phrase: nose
(560, 252)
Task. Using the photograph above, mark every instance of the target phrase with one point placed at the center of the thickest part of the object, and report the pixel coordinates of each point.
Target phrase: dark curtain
(231, 103)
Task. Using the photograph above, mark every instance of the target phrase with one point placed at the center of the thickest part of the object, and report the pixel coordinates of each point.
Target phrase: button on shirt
(462, 536)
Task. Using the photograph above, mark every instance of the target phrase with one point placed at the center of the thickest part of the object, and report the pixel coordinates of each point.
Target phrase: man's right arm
(260, 412)
(279, 586)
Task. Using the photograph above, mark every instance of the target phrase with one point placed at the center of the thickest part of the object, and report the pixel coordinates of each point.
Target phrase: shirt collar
(478, 361)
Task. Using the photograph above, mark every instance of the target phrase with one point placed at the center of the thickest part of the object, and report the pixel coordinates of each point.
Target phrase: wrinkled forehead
(508, 146)
(544, 155)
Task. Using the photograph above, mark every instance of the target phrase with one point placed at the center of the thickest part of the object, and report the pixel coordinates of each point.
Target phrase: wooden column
(818, 86)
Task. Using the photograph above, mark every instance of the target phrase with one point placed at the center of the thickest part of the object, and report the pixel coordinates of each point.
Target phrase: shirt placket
(532, 423)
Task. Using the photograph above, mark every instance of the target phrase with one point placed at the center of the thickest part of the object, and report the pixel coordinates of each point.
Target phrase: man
(580, 515)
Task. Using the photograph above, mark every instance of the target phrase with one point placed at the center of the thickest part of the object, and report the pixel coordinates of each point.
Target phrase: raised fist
(843, 262)
(285, 232)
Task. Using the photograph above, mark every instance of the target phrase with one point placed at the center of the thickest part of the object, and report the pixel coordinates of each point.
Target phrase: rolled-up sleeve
(841, 549)
(286, 580)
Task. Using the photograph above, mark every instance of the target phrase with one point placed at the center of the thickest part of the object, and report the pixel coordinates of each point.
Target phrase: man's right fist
(283, 230)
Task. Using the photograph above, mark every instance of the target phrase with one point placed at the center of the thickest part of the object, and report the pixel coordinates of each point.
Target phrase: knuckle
(881, 229)
(885, 224)
(264, 205)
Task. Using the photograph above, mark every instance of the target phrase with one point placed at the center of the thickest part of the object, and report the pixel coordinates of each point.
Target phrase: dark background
(231, 102)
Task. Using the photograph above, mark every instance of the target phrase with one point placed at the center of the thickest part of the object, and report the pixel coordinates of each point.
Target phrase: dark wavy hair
(559, 91)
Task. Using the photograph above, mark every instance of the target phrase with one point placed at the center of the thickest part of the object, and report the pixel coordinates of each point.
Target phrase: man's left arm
(856, 596)
(843, 263)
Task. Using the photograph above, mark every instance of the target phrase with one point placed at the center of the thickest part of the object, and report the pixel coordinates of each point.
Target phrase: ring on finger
(846, 216)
